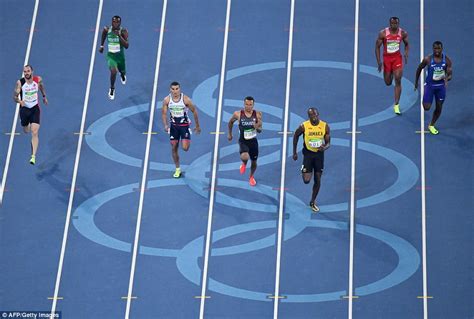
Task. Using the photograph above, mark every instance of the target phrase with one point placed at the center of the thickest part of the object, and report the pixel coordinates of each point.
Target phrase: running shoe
(396, 109)
(433, 129)
(33, 160)
(314, 208)
(177, 173)
(123, 78)
(111, 93)
(242, 168)
(252, 181)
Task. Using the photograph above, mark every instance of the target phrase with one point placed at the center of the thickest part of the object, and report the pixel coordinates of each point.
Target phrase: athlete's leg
(253, 167)
(398, 73)
(388, 78)
(437, 112)
(174, 153)
(185, 145)
(244, 156)
(34, 138)
(27, 128)
(316, 186)
(113, 76)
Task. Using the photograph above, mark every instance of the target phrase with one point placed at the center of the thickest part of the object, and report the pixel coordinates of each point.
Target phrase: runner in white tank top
(26, 95)
(178, 128)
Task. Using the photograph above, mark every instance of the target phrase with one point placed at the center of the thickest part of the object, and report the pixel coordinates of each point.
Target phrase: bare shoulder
(404, 33)
(166, 100)
(187, 100)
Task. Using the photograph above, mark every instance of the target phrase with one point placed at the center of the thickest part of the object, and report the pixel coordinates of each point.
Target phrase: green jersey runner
(117, 42)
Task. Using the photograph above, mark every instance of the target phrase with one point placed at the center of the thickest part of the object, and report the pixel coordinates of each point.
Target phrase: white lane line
(17, 108)
(145, 162)
(423, 167)
(283, 163)
(76, 163)
(214, 164)
(353, 162)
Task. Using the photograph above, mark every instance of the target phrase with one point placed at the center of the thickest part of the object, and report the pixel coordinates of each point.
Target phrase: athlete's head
(437, 48)
(394, 23)
(313, 115)
(248, 103)
(28, 71)
(175, 89)
(116, 21)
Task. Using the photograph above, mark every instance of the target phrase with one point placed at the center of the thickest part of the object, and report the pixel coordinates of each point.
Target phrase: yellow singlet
(314, 135)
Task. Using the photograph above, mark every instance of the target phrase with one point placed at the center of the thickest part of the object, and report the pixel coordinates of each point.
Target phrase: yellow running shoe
(433, 130)
(396, 109)
(177, 173)
(33, 160)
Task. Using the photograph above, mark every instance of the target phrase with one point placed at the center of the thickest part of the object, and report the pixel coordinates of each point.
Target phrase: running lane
(35, 204)
(314, 262)
(96, 267)
(175, 210)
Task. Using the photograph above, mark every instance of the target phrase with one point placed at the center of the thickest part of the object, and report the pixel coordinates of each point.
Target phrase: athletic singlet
(246, 125)
(29, 92)
(436, 71)
(113, 41)
(314, 135)
(391, 42)
(178, 111)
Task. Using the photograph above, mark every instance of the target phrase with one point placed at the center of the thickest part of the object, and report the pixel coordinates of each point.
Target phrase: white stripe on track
(145, 161)
(353, 162)
(214, 164)
(423, 167)
(17, 108)
(283, 162)
(76, 163)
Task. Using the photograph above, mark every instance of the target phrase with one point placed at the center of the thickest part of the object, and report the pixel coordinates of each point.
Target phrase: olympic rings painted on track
(187, 257)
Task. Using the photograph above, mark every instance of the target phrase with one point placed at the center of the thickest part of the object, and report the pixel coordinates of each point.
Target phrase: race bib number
(114, 47)
(438, 75)
(393, 46)
(315, 143)
(250, 134)
(177, 112)
(30, 96)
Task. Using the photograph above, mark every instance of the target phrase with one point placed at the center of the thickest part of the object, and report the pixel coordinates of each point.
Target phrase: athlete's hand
(406, 58)
(45, 100)
(446, 82)
(379, 68)
(197, 129)
(229, 136)
(22, 103)
(416, 86)
(295, 156)
(167, 129)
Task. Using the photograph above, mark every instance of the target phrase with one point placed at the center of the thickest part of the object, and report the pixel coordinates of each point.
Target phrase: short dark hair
(314, 109)
(249, 98)
(117, 17)
(174, 83)
(29, 66)
(438, 43)
(394, 18)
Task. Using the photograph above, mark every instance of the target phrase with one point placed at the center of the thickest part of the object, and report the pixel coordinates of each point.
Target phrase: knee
(185, 147)
(398, 82)
(244, 157)
(113, 71)
(426, 106)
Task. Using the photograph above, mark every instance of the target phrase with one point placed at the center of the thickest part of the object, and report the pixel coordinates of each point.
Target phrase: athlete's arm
(43, 91)
(102, 39)
(192, 107)
(407, 45)
(449, 70)
(327, 139)
(16, 93)
(259, 123)
(421, 66)
(164, 113)
(123, 37)
(235, 117)
(296, 136)
(378, 44)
